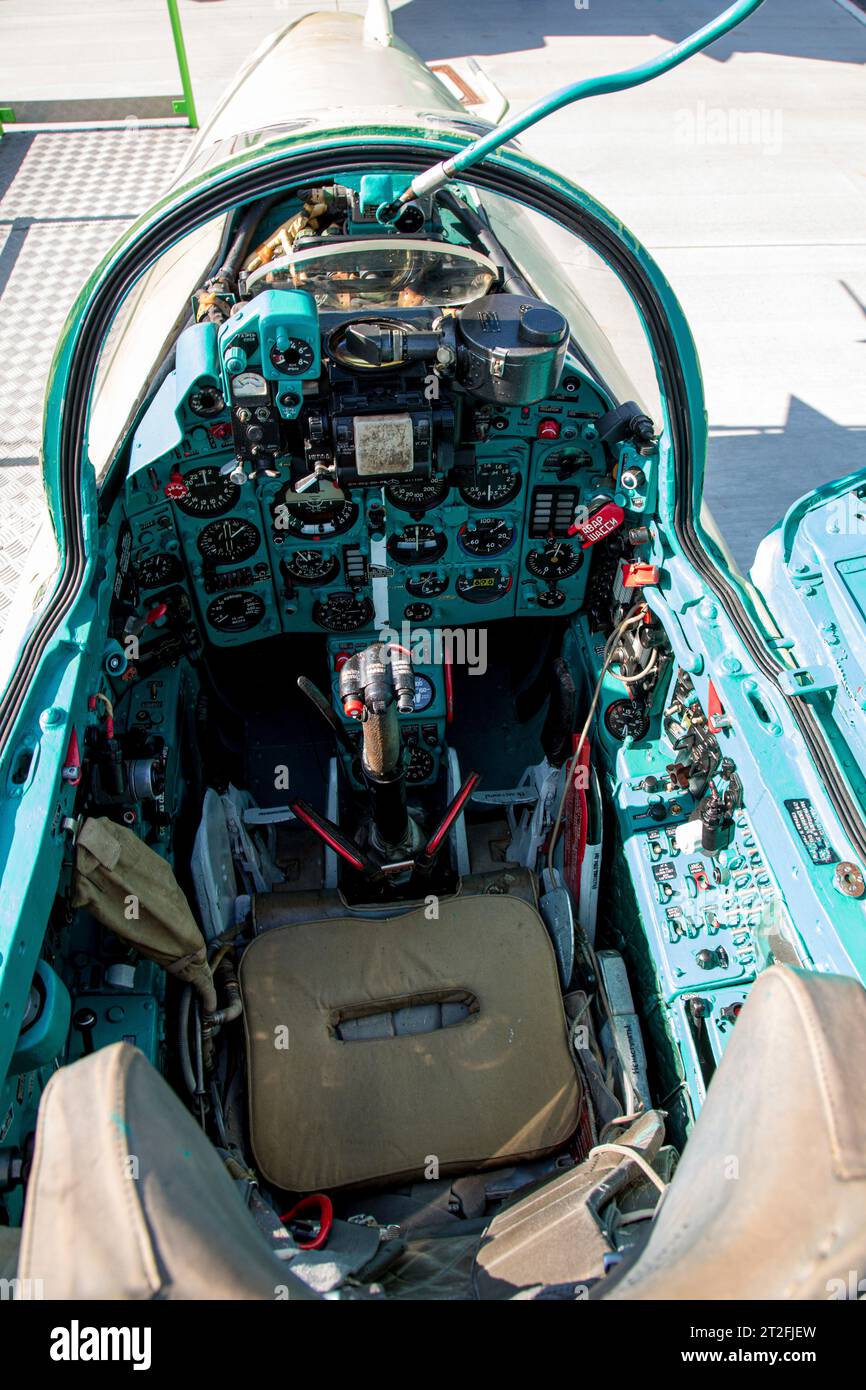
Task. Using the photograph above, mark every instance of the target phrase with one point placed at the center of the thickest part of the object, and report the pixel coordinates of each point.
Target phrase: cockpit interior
(388, 698)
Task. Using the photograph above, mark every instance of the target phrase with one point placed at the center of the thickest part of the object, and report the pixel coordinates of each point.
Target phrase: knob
(712, 960)
(84, 1020)
(235, 360)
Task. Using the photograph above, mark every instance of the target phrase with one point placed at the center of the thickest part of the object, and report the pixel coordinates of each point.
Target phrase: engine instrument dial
(249, 386)
(555, 560)
(417, 495)
(293, 357)
(228, 542)
(490, 485)
(236, 612)
(486, 535)
(162, 568)
(417, 612)
(551, 597)
(417, 545)
(626, 717)
(425, 693)
(483, 585)
(206, 402)
(420, 765)
(311, 567)
(342, 612)
(208, 493)
(427, 584)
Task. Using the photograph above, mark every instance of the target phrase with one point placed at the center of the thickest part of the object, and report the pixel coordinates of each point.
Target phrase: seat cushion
(496, 1086)
(769, 1201)
(127, 1199)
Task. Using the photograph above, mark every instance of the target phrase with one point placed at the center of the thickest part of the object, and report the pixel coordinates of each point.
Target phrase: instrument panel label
(810, 830)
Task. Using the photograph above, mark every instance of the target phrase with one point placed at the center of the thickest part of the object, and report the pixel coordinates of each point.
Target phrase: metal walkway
(65, 197)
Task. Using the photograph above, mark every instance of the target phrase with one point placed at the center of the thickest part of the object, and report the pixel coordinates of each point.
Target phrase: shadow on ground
(755, 473)
(817, 29)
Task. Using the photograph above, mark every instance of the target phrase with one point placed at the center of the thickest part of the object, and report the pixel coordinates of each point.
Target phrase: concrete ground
(743, 172)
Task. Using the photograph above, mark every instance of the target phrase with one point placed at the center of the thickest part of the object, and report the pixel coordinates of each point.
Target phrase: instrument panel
(491, 524)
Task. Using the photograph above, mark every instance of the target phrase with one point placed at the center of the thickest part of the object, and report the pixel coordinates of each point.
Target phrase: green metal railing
(184, 106)
(120, 107)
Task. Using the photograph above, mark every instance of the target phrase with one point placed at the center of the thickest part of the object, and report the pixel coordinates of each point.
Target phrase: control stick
(376, 684)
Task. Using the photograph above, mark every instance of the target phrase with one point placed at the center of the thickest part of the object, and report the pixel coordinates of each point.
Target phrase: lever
(336, 840)
(313, 693)
(84, 1022)
(425, 860)
(376, 684)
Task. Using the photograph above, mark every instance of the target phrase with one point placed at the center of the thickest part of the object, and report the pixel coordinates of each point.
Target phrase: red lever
(638, 573)
(603, 522)
(318, 1206)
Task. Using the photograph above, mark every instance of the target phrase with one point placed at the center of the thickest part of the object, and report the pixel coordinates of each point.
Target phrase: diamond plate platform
(65, 198)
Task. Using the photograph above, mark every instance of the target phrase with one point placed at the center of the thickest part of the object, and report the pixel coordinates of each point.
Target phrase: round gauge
(293, 357)
(417, 612)
(342, 612)
(311, 567)
(490, 485)
(415, 545)
(208, 493)
(236, 612)
(315, 518)
(551, 598)
(626, 717)
(420, 765)
(206, 401)
(556, 560)
(154, 570)
(483, 585)
(424, 693)
(249, 386)
(417, 496)
(427, 584)
(486, 535)
(228, 542)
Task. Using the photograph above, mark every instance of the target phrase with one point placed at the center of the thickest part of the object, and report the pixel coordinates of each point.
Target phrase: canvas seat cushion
(496, 1087)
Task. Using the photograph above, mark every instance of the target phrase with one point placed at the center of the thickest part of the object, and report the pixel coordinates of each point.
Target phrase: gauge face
(342, 612)
(154, 570)
(314, 518)
(311, 567)
(420, 765)
(555, 560)
(249, 386)
(236, 612)
(415, 545)
(228, 542)
(626, 717)
(483, 585)
(417, 612)
(208, 493)
(424, 693)
(551, 598)
(206, 401)
(490, 485)
(294, 357)
(417, 496)
(428, 584)
(486, 535)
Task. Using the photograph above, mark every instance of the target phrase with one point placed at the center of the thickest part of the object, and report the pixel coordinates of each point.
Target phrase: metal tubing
(187, 106)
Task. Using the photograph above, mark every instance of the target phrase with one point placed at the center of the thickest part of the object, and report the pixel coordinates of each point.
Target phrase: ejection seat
(127, 1199)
